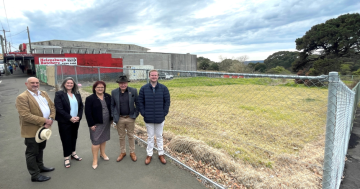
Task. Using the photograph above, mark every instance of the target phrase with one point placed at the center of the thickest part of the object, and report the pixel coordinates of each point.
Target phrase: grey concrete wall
(159, 61)
(183, 62)
(165, 61)
(93, 45)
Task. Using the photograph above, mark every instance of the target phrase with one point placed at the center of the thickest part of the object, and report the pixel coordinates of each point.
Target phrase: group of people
(37, 113)
(12, 67)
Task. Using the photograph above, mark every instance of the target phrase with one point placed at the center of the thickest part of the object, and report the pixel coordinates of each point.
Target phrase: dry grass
(258, 134)
(291, 171)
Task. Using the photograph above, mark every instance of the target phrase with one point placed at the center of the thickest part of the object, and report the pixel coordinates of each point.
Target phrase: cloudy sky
(209, 28)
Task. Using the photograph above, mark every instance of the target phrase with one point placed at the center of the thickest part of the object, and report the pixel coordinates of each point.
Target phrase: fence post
(76, 79)
(147, 76)
(99, 73)
(56, 84)
(62, 73)
(330, 128)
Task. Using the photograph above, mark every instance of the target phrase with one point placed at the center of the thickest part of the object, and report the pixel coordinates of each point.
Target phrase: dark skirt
(102, 131)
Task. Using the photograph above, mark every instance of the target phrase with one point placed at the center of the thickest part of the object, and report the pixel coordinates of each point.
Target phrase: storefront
(27, 60)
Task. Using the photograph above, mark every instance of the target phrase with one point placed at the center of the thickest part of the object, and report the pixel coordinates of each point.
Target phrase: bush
(278, 70)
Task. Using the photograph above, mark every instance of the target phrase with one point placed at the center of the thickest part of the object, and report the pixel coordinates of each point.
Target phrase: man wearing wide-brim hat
(124, 109)
(36, 114)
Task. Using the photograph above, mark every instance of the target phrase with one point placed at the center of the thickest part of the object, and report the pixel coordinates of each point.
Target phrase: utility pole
(3, 51)
(29, 39)
(5, 40)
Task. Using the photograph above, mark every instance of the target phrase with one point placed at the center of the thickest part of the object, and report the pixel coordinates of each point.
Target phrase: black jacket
(154, 104)
(62, 105)
(93, 109)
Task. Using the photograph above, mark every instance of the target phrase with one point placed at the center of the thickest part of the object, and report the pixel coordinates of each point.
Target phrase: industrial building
(130, 54)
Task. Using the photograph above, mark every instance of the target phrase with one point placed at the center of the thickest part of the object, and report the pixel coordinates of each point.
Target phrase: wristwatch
(51, 119)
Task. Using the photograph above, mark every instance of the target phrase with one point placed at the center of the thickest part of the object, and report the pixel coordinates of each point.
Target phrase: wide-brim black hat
(122, 79)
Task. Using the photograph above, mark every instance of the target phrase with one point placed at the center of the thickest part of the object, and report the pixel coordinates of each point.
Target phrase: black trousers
(68, 135)
(34, 156)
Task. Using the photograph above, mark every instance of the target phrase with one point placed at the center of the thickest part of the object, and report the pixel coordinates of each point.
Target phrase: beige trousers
(126, 125)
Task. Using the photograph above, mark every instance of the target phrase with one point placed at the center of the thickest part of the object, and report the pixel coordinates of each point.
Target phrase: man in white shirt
(35, 110)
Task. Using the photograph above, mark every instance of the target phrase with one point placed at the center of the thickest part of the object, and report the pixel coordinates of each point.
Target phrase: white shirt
(43, 103)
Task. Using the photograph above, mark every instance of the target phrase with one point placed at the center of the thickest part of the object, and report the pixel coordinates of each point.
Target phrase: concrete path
(109, 174)
(352, 165)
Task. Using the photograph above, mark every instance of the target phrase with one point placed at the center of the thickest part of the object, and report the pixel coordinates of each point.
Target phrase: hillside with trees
(330, 46)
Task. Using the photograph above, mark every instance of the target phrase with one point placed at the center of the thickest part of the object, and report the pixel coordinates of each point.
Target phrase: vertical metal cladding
(102, 60)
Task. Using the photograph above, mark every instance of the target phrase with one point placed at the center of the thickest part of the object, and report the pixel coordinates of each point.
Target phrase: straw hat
(42, 134)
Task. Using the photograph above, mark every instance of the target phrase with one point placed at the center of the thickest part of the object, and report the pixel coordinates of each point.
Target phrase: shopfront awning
(15, 57)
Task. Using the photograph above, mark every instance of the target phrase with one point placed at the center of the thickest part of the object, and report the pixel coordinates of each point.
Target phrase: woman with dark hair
(69, 110)
(98, 116)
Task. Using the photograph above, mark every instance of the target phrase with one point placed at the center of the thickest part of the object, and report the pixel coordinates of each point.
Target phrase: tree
(260, 67)
(324, 66)
(278, 70)
(239, 67)
(333, 40)
(214, 66)
(357, 72)
(345, 69)
(281, 58)
(203, 63)
(225, 64)
(234, 64)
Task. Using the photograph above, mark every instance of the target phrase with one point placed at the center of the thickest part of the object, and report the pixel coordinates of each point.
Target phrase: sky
(208, 28)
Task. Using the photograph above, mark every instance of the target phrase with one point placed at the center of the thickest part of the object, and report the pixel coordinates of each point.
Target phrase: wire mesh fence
(340, 115)
(246, 130)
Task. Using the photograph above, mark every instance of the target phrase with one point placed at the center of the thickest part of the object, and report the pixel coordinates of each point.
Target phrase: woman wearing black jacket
(69, 110)
(98, 116)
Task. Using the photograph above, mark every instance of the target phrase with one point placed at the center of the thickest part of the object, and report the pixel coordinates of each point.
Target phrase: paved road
(109, 174)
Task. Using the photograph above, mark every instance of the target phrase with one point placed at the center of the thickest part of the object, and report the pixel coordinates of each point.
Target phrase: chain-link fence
(246, 130)
(342, 105)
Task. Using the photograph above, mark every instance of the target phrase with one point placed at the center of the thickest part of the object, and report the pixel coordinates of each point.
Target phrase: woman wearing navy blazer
(69, 110)
(98, 116)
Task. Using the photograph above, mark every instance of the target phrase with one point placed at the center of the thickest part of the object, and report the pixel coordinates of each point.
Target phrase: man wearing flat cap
(124, 108)
(36, 110)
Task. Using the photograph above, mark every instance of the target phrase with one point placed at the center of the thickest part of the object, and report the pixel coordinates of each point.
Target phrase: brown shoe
(162, 159)
(147, 160)
(133, 156)
(121, 156)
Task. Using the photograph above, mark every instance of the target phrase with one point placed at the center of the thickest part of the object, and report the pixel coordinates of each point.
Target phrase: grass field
(254, 120)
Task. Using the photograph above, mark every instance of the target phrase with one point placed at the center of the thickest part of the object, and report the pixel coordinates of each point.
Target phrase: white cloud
(207, 28)
(15, 8)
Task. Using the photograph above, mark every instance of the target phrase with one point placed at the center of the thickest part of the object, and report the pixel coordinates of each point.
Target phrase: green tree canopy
(281, 58)
(260, 67)
(214, 66)
(203, 63)
(333, 40)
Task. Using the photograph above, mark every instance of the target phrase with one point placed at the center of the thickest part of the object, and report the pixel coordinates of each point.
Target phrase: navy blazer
(62, 105)
(154, 103)
(93, 109)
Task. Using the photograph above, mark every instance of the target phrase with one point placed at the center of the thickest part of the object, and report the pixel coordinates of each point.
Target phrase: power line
(20, 32)
(7, 21)
(14, 47)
